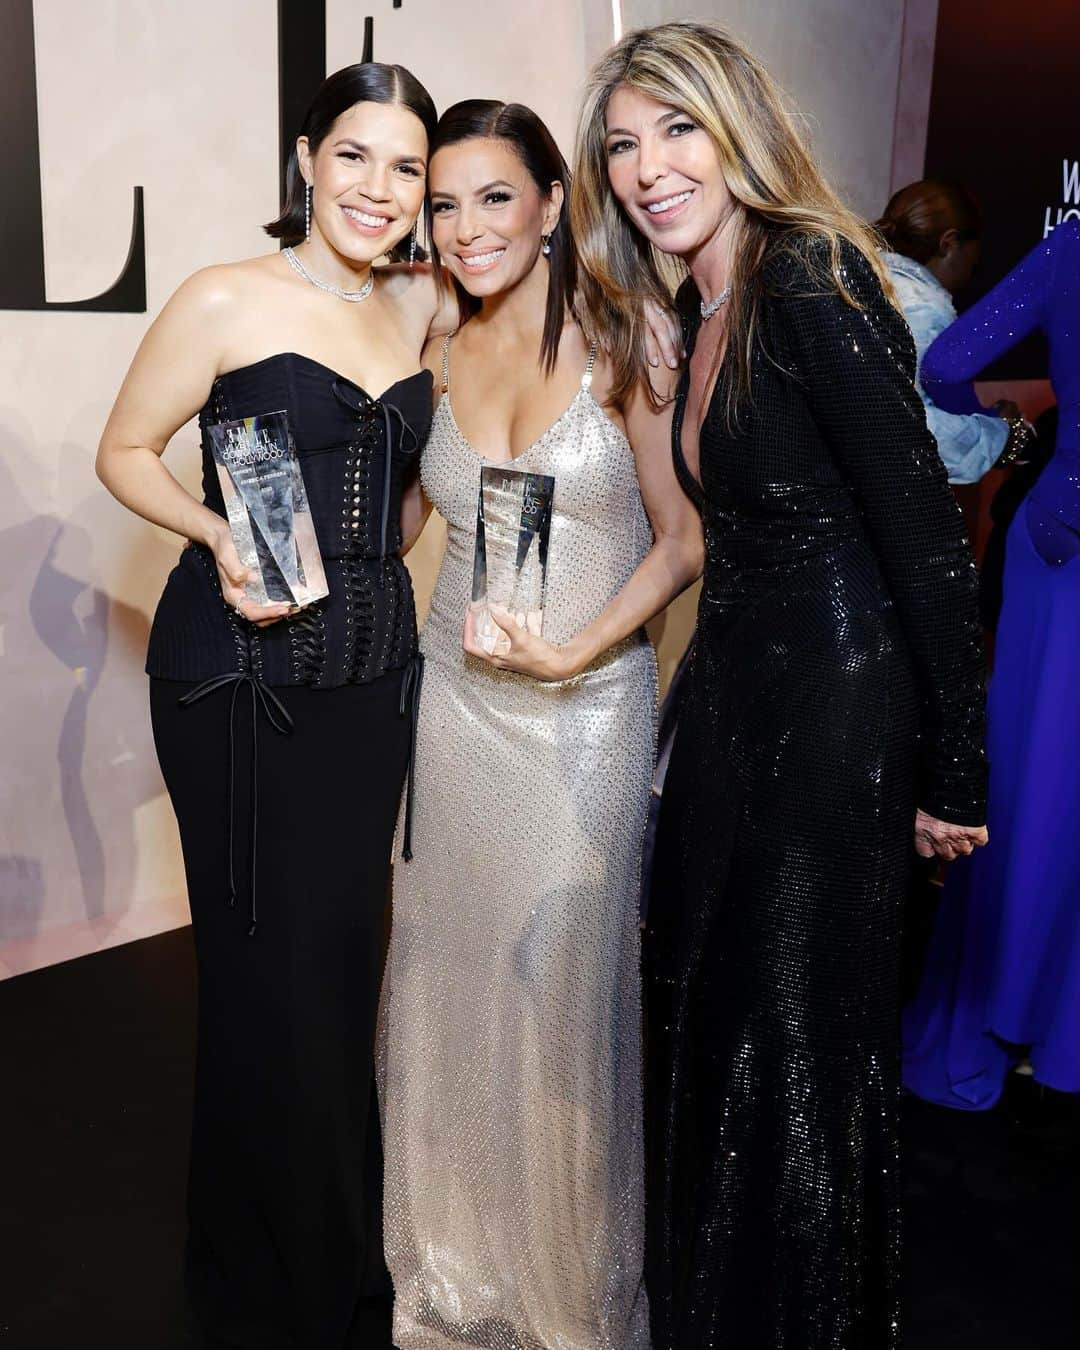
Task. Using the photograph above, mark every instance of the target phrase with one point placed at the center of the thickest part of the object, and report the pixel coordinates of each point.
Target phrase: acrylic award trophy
(513, 522)
(268, 511)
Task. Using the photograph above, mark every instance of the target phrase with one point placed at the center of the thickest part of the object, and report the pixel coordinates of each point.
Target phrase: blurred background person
(933, 231)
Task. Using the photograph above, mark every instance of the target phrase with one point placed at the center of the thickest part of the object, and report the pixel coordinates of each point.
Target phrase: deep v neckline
(694, 483)
(682, 469)
(514, 459)
(583, 390)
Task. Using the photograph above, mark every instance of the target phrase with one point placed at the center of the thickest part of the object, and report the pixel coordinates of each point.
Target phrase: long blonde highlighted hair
(786, 202)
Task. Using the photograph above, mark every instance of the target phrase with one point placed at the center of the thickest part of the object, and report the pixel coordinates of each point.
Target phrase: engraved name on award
(513, 523)
(267, 507)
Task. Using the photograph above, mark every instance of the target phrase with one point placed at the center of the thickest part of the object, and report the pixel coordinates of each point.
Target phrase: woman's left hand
(519, 650)
(938, 837)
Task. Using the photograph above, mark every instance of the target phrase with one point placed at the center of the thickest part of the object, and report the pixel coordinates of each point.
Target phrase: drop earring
(307, 212)
(412, 246)
(547, 244)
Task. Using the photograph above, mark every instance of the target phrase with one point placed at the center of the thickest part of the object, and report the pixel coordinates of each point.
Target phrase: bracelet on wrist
(1021, 434)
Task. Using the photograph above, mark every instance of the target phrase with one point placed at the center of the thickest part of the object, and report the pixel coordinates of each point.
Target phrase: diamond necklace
(352, 296)
(708, 310)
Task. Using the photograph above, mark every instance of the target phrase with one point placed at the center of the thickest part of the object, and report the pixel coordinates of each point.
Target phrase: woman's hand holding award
(513, 524)
(267, 509)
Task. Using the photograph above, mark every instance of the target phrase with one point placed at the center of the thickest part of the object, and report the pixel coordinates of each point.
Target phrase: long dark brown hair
(534, 145)
(367, 82)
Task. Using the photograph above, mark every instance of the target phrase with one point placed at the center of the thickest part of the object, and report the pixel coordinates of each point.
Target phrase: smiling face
(368, 177)
(665, 172)
(488, 216)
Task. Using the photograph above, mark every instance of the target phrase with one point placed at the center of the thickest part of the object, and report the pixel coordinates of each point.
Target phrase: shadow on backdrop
(75, 726)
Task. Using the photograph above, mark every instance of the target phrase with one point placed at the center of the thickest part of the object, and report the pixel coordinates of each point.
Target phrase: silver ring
(238, 609)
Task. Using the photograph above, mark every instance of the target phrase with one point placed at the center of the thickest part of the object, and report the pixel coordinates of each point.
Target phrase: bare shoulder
(603, 378)
(213, 290)
(642, 403)
(434, 308)
(431, 358)
(413, 286)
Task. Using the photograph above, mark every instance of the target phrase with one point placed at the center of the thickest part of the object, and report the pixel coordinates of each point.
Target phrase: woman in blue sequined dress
(1003, 972)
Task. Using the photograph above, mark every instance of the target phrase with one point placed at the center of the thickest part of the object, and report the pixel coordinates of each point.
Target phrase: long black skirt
(285, 1190)
(772, 960)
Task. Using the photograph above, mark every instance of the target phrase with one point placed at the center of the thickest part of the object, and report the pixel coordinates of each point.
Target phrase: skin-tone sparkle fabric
(511, 1067)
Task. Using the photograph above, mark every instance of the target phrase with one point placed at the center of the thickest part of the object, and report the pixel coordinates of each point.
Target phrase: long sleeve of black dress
(857, 368)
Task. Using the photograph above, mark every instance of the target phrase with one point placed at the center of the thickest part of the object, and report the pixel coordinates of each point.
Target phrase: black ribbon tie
(275, 712)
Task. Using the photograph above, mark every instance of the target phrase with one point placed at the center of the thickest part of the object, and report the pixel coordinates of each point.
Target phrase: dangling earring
(412, 246)
(547, 244)
(307, 212)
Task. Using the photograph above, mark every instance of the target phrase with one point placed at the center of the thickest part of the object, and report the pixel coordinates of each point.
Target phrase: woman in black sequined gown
(836, 687)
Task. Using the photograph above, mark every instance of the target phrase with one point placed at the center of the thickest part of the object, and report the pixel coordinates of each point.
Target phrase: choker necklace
(352, 296)
(708, 310)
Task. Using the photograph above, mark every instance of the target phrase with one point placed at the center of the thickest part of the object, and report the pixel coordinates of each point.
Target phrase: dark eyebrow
(366, 150)
(499, 182)
(664, 117)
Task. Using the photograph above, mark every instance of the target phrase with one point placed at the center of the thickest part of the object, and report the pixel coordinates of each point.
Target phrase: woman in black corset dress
(284, 737)
(834, 712)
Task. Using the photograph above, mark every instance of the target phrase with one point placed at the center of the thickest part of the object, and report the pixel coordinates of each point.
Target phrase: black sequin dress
(837, 681)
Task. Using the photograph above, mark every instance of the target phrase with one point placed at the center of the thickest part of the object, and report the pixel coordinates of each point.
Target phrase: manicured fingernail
(653, 361)
(673, 362)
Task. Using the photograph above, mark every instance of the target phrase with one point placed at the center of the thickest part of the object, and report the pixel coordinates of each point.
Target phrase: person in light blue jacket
(932, 232)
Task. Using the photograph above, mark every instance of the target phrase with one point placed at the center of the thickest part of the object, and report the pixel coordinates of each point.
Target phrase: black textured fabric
(837, 679)
(366, 626)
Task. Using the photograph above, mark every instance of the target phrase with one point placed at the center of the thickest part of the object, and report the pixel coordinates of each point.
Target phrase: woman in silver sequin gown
(511, 1059)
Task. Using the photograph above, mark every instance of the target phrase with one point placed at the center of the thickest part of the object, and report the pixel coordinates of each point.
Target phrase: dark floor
(93, 1134)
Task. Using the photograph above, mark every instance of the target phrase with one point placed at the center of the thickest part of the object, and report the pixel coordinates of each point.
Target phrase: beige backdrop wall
(181, 97)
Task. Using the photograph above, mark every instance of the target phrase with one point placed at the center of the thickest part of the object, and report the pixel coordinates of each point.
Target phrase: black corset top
(356, 454)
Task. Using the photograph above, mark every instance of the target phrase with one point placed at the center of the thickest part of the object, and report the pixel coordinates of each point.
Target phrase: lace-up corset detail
(356, 453)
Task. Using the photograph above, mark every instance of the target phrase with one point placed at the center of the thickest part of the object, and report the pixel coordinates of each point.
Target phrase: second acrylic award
(513, 523)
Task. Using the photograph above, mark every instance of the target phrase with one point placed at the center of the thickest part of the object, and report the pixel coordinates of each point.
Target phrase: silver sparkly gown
(510, 1061)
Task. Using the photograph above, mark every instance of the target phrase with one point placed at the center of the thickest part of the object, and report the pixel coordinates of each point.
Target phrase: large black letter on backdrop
(301, 69)
(301, 35)
(302, 66)
(22, 246)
